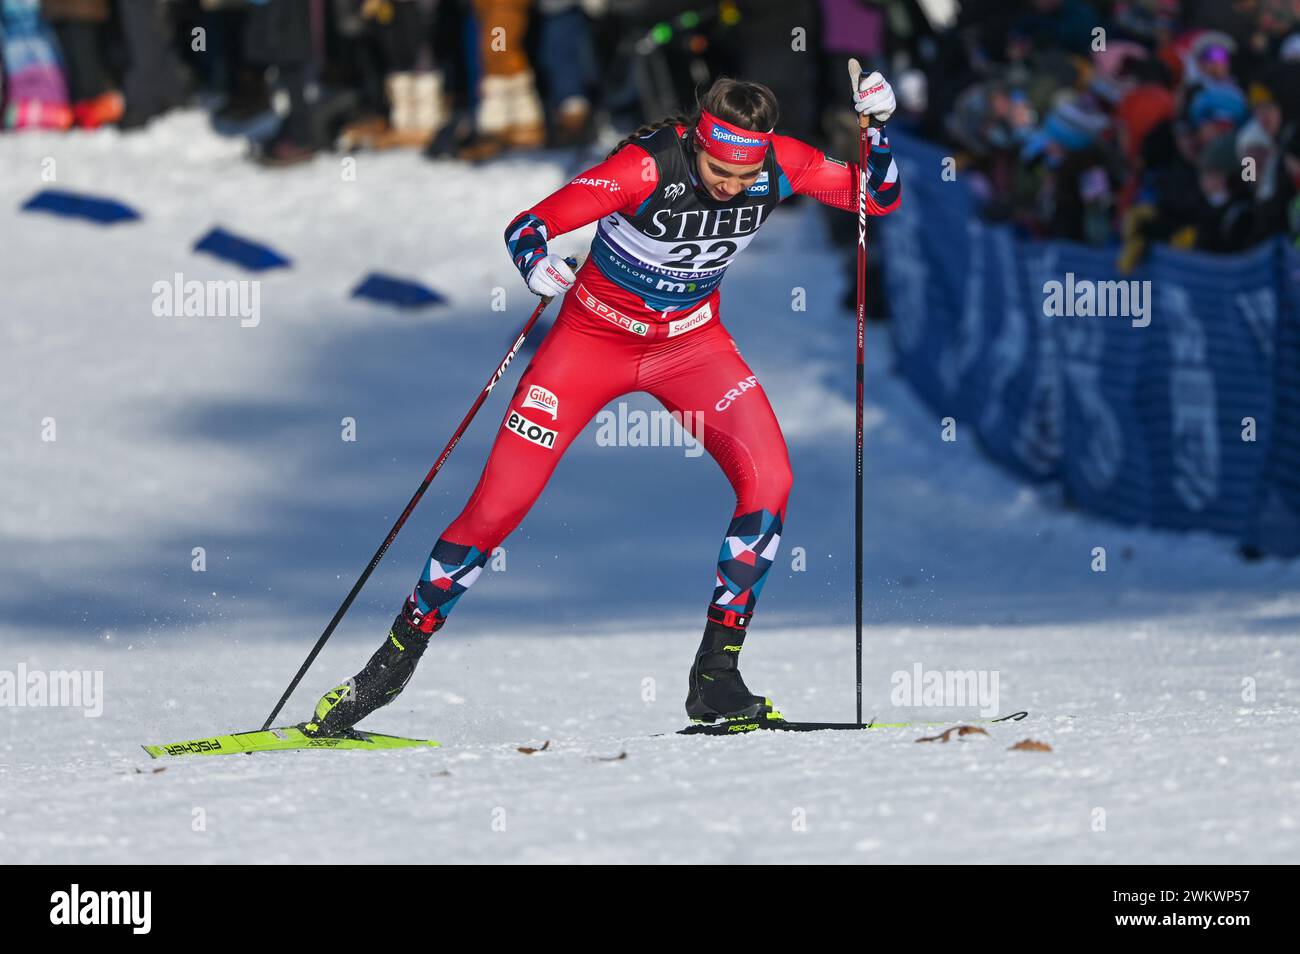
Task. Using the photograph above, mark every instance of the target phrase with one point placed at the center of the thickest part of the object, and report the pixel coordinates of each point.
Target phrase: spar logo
(733, 394)
(543, 399)
(131, 908)
(609, 314)
(731, 138)
(541, 436)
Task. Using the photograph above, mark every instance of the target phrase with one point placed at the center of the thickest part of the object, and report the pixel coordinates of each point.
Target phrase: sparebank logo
(131, 908)
(727, 136)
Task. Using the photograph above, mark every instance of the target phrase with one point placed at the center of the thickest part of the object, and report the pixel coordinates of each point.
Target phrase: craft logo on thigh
(543, 399)
(734, 394)
(541, 436)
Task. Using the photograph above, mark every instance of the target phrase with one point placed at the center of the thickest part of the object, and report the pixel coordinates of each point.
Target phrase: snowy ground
(1167, 686)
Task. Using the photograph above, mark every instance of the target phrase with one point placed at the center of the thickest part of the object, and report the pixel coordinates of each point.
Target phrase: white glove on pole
(551, 277)
(875, 98)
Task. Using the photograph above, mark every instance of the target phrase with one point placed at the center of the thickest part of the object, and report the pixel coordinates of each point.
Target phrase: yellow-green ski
(285, 737)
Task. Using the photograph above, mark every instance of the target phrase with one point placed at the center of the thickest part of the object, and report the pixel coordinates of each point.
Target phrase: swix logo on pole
(504, 364)
(862, 207)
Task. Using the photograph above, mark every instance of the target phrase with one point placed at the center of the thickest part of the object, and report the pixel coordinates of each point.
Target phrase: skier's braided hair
(748, 105)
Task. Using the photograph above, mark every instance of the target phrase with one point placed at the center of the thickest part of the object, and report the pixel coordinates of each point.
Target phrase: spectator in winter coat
(509, 113)
(79, 26)
(35, 94)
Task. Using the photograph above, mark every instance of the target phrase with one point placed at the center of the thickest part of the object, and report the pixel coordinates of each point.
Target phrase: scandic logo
(541, 436)
(74, 907)
(696, 318)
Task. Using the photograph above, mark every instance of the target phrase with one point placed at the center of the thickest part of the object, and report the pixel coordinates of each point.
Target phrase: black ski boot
(716, 689)
(377, 684)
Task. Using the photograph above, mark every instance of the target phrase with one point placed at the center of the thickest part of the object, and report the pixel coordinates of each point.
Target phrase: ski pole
(864, 151)
(428, 479)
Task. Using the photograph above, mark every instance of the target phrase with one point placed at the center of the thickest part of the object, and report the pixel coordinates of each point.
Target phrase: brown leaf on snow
(527, 751)
(1030, 745)
(959, 729)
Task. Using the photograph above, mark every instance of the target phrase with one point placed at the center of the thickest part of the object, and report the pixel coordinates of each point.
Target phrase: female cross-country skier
(676, 202)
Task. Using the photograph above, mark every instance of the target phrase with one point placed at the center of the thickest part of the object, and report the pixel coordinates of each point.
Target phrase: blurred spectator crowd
(1166, 120)
(1100, 121)
(467, 78)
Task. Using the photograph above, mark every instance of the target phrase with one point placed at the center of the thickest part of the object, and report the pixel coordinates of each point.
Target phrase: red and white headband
(728, 142)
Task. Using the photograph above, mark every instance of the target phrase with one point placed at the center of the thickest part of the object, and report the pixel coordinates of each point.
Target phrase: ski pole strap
(729, 618)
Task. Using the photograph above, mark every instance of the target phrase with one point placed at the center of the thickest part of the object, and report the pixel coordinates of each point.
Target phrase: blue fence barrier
(1174, 403)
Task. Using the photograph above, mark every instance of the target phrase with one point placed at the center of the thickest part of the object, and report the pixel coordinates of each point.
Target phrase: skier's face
(725, 180)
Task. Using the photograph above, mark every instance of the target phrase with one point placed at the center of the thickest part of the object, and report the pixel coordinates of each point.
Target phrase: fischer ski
(739, 726)
(282, 738)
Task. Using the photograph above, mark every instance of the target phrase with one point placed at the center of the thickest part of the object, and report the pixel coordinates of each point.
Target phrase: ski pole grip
(855, 74)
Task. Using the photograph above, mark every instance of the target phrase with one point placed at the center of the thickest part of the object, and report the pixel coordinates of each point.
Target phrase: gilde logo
(543, 399)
